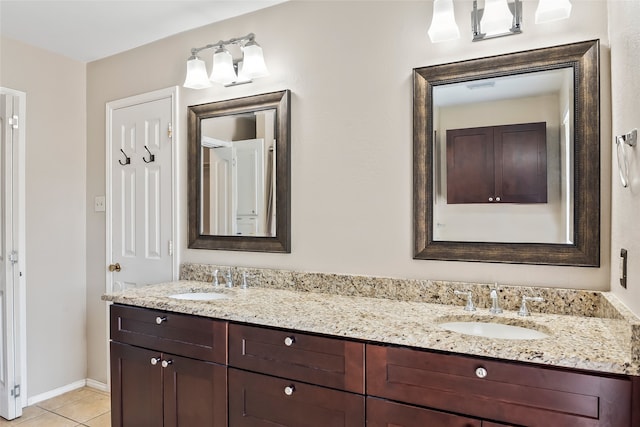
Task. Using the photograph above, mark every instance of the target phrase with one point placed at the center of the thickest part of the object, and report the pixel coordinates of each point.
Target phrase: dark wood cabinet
(497, 164)
(330, 362)
(156, 388)
(262, 400)
(383, 413)
(503, 392)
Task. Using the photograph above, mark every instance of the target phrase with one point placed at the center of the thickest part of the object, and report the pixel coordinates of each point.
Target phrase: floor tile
(27, 413)
(103, 420)
(48, 419)
(85, 409)
(67, 398)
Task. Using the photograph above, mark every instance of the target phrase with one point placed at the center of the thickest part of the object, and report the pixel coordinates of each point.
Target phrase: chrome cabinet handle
(481, 372)
(155, 360)
(491, 199)
(166, 363)
(288, 390)
(497, 199)
(159, 319)
(288, 341)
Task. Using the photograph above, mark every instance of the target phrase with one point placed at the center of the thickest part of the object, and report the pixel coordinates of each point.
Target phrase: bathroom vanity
(276, 357)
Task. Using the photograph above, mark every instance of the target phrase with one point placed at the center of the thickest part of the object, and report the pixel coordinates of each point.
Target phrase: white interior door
(220, 192)
(140, 195)
(10, 254)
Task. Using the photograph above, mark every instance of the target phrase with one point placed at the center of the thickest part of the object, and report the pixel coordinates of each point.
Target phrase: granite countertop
(590, 343)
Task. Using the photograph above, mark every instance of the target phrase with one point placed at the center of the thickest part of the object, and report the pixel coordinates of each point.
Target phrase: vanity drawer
(180, 334)
(329, 362)
(510, 392)
(383, 413)
(262, 400)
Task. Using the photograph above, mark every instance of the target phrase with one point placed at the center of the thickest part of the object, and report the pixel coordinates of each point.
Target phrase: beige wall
(55, 211)
(625, 88)
(348, 65)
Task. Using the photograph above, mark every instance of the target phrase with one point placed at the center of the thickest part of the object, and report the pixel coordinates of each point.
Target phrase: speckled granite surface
(604, 344)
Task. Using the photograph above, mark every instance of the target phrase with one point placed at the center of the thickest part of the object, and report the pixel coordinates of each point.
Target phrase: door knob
(115, 267)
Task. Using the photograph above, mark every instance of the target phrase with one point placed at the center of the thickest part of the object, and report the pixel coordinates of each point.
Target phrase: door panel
(140, 201)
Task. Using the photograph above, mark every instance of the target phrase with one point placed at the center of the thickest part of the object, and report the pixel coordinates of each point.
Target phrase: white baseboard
(97, 385)
(67, 388)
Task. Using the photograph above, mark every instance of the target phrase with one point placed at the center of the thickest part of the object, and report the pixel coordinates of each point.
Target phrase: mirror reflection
(239, 168)
(503, 169)
(506, 160)
(238, 180)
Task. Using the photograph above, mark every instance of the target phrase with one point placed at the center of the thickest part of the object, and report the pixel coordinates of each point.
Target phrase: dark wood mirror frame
(281, 242)
(583, 57)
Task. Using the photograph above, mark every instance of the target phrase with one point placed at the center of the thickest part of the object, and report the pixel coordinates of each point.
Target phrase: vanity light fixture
(498, 18)
(226, 70)
(443, 24)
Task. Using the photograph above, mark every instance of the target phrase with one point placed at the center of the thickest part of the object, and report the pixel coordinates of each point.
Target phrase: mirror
(507, 158)
(239, 174)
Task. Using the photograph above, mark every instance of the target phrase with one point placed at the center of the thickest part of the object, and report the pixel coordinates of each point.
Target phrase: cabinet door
(382, 413)
(136, 387)
(261, 400)
(521, 163)
(470, 165)
(195, 393)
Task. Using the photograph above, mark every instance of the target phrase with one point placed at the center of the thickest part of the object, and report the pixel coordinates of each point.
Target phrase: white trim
(22, 240)
(97, 385)
(171, 92)
(56, 392)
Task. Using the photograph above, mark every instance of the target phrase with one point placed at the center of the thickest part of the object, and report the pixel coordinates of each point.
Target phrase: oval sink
(200, 296)
(494, 330)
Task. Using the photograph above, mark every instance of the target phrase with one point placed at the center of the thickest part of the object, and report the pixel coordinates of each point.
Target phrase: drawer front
(179, 334)
(382, 413)
(510, 392)
(329, 362)
(261, 400)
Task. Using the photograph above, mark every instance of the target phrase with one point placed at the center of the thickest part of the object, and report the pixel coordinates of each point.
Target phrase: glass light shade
(552, 10)
(443, 24)
(196, 74)
(222, 71)
(497, 18)
(253, 61)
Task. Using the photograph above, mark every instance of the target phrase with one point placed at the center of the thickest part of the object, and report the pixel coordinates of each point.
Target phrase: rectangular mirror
(239, 174)
(506, 158)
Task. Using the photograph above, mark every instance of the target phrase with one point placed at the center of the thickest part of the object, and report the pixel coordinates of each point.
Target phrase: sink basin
(199, 296)
(494, 330)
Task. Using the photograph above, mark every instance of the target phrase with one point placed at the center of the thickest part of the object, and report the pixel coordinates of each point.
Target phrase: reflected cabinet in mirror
(507, 158)
(239, 174)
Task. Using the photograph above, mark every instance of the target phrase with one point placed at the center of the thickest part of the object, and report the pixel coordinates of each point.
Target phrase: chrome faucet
(495, 307)
(244, 285)
(524, 311)
(216, 282)
(469, 295)
(229, 278)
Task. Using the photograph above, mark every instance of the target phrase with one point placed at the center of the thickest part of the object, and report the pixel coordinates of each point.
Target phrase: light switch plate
(99, 204)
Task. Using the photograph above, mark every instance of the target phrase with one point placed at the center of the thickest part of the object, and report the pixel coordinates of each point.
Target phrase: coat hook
(152, 157)
(127, 159)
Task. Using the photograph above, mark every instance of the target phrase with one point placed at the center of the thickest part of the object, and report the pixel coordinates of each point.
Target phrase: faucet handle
(216, 283)
(229, 278)
(524, 311)
(244, 285)
(469, 295)
(495, 306)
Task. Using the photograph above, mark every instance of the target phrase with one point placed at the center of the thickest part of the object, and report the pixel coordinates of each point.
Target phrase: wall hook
(127, 159)
(152, 157)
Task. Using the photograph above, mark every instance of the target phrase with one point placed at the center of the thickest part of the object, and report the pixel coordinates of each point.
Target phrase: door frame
(20, 300)
(173, 94)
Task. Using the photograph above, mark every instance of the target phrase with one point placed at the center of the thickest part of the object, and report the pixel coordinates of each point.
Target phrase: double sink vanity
(303, 349)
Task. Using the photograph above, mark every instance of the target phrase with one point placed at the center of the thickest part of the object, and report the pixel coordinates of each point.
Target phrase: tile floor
(82, 407)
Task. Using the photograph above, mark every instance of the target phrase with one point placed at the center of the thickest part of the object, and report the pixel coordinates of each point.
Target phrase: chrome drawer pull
(155, 360)
(481, 372)
(288, 341)
(288, 390)
(166, 363)
(159, 319)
